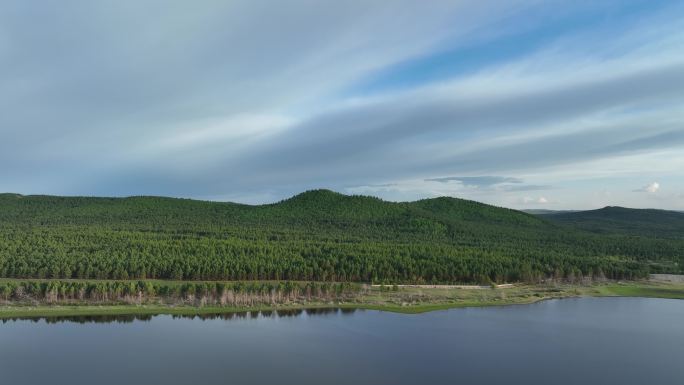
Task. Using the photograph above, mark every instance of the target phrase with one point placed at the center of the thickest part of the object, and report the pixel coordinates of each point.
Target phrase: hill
(547, 212)
(317, 235)
(621, 220)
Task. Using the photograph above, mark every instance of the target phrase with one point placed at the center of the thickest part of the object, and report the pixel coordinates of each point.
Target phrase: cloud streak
(242, 100)
(476, 181)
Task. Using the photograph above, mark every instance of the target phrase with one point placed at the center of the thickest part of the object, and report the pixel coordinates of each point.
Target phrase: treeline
(621, 220)
(194, 293)
(316, 236)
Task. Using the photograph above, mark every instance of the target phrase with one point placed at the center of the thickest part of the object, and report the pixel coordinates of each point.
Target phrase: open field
(387, 298)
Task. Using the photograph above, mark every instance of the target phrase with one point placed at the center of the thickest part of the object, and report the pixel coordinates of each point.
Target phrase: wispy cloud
(476, 181)
(529, 187)
(255, 103)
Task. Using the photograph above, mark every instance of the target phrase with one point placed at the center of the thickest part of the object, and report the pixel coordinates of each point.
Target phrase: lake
(569, 341)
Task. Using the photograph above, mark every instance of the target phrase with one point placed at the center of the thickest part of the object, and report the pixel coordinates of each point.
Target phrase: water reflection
(626, 341)
(129, 318)
(83, 319)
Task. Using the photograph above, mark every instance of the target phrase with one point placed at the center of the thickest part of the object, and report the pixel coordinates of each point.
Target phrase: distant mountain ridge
(325, 202)
(622, 220)
(319, 235)
(547, 211)
(334, 205)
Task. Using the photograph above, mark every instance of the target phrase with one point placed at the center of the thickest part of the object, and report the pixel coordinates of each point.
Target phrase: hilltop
(622, 220)
(316, 235)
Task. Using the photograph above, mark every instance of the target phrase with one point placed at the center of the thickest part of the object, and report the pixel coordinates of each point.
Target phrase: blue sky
(522, 34)
(523, 104)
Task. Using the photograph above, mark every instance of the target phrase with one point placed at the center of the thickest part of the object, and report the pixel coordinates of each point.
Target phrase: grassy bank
(400, 300)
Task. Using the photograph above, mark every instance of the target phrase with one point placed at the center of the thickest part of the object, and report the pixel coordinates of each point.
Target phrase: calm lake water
(571, 341)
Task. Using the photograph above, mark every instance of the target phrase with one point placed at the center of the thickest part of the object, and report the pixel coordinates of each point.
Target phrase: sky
(523, 104)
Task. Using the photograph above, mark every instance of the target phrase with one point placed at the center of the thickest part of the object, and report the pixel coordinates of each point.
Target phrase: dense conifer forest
(621, 220)
(315, 236)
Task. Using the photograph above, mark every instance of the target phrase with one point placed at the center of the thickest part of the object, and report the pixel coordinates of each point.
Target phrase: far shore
(464, 287)
(409, 299)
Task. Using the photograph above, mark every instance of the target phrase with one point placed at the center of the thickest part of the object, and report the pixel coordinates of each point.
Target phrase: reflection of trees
(129, 318)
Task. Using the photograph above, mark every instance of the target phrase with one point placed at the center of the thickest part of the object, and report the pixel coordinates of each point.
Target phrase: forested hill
(621, 220)
(316, 235)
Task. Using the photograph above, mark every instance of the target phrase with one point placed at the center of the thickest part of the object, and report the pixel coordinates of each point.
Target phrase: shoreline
(405, 300)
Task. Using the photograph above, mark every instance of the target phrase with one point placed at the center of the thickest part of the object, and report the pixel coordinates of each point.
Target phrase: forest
(620, 220)
(236, 294)
(318, 235)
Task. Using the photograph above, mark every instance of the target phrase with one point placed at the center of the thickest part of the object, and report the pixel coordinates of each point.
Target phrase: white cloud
(651, 188)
